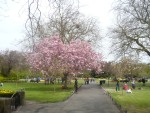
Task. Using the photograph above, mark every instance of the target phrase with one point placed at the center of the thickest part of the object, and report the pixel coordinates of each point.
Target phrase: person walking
(143, 80)
(76, 85)
(133, 83)
(117, 86)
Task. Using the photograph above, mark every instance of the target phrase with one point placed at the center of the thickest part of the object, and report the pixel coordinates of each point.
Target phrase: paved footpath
(89, 99)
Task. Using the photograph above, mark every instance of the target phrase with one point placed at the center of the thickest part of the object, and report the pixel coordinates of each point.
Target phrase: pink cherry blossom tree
(52, 56)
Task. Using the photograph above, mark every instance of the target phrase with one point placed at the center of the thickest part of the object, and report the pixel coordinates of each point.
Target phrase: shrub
(1, 78)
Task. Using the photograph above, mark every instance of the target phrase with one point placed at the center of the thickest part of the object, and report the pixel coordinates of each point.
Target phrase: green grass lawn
(42, 93)
(136, 102)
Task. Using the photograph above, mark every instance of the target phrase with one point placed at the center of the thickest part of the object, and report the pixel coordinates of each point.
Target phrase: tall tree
(126, 67)
(108, 68)
(132, 31)
(10, 60)
(63, 19)
(144, 70)
(54, 57)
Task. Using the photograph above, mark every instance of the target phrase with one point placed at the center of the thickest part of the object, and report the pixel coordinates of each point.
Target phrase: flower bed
(6, 93)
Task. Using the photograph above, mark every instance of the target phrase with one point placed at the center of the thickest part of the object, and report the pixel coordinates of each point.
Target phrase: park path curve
(89, 99)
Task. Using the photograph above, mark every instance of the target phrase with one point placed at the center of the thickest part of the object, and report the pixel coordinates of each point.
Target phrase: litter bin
(22, 97)
(19, 98)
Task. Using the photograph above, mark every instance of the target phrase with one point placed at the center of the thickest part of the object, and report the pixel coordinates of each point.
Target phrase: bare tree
(65, 20)
(10, 60)
(108, 68)
(126, 67)
(132, 31)
(70, 24)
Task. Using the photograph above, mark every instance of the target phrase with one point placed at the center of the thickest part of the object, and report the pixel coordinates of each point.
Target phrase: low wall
(9, 104)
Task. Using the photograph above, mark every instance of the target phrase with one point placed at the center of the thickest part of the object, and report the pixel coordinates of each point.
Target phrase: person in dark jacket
(117, 86)
(76, 85)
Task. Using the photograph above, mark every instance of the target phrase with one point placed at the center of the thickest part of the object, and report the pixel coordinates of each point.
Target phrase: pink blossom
(51, 54)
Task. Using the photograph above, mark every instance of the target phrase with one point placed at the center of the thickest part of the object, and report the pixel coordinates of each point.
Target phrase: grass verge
(42, 93)
(136, 102)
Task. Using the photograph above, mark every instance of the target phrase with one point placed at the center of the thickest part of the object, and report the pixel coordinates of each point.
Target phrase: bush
(1, 78)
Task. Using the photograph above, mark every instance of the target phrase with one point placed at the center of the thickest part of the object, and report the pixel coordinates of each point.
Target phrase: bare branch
(64, 19)
(132, 33)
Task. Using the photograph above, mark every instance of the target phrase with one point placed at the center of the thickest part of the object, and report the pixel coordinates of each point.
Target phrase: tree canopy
(52, 56)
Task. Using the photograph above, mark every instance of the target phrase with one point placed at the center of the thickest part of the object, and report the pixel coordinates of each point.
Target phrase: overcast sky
(13, 16)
